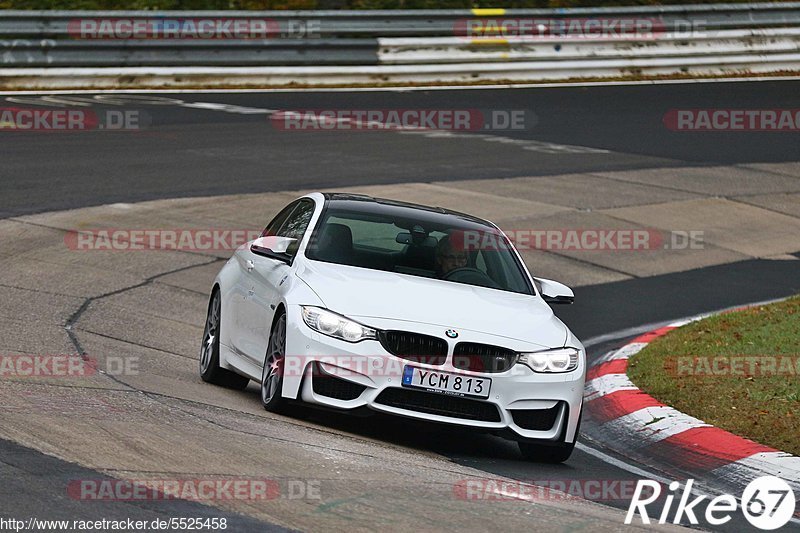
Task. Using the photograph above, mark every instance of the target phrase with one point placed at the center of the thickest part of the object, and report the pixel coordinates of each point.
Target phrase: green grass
(763, 405)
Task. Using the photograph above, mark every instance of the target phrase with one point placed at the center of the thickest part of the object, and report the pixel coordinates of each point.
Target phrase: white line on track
(298, 117)
(613, 461)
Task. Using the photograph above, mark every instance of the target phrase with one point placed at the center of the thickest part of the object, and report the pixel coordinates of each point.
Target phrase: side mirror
(279, 248)
(554, 292)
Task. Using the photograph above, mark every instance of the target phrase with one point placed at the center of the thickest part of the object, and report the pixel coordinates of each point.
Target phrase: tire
(210, 370)
(272, 373)
(550, 453)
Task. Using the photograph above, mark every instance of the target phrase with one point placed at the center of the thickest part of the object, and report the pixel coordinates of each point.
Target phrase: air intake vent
(536, 419)
(325, 384)
(483, 357)
(439, 404)
(415, 346)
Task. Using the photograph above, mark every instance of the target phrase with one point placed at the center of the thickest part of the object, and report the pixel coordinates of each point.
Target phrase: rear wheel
(210, 370)
(272, 373)
(552, 453)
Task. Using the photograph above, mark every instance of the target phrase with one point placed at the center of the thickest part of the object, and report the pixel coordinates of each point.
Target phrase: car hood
(363, 293)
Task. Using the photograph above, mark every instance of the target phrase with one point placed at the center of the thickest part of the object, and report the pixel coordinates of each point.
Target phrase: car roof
(334, 197)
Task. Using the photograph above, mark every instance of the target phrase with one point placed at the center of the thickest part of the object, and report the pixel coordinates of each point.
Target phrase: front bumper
(522, 404)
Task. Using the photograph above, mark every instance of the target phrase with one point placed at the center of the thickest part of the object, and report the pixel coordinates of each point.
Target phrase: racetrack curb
(643, 426)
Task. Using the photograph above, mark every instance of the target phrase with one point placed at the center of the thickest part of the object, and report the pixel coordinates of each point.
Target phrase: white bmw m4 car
(351, 302)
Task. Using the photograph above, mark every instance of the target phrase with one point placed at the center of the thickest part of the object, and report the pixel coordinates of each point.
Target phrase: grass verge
(738, 371)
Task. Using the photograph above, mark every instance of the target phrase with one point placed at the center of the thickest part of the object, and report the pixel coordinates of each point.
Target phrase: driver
(447, 258)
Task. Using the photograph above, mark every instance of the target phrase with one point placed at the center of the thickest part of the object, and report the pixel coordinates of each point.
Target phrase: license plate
(446, 382)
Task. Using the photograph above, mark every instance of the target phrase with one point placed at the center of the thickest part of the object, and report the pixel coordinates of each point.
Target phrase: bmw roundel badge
(451, 333)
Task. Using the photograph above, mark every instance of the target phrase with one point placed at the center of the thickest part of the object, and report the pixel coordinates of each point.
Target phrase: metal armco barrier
(344, 47)
(105, 53)
(458, 50)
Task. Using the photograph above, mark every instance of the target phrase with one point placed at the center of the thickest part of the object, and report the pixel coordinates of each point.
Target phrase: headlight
(560, 360)
(337, 326)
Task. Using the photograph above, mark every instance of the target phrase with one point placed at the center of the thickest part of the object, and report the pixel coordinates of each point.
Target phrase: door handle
(250, 265)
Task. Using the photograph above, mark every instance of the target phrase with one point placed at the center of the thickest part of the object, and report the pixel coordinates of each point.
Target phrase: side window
(273, 227)
(296, 224)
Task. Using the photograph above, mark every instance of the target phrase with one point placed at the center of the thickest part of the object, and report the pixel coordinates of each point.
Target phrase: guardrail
(51, 53)
(345, 47)
(457, 50)
(415, 23)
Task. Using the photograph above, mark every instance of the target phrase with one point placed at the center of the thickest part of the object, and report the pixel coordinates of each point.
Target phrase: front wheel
(210, 371)
(272, 373)
(541, 453)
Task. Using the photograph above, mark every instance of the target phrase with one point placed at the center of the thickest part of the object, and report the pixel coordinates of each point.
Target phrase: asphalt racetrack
(191, 151)
(198, 145)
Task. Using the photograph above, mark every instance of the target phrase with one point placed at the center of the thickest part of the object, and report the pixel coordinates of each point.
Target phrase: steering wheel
(471, 276)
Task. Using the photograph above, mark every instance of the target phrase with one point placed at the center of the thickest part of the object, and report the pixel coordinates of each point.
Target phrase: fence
(135, 48)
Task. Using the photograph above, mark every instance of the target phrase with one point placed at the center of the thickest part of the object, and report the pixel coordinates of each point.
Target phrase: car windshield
(394, 237)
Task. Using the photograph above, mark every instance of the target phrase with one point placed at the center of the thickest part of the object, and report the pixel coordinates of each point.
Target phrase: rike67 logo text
(768, 503)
